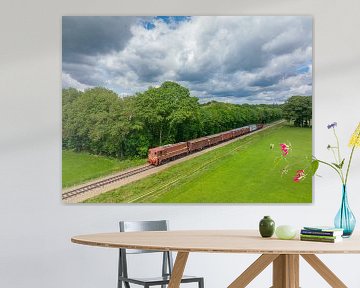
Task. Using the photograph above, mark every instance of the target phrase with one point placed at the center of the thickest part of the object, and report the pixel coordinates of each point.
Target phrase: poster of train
(187, 109)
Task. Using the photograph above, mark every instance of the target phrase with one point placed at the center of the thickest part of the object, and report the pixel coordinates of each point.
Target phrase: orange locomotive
(159, 155)
(162, 154)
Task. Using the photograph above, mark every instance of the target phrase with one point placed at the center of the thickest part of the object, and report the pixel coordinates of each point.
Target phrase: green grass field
(241, 172)
(81, 167)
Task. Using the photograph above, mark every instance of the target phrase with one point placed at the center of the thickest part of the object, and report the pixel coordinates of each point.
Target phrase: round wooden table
(284, 254)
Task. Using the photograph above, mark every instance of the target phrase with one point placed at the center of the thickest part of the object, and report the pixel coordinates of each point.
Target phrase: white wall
(35, 227)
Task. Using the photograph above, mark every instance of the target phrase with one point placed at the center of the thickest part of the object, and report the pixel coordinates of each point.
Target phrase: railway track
(104, 182)
(98, 184)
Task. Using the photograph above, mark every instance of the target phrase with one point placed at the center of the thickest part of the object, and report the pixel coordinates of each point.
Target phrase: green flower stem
(348, 167)
(333, 152)
(351, 155)
(338, 150)
(338, 146)
(336, 169)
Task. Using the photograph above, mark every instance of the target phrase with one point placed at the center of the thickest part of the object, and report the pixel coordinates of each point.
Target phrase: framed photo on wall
(187, 109)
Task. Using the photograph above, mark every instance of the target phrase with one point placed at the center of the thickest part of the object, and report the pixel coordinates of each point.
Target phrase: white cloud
(67, 81)
(238, 59)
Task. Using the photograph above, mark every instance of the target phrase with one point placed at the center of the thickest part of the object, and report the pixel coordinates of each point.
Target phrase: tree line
(298, 110)
(100, 122)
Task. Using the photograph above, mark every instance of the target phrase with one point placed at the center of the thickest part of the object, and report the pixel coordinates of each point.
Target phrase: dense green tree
(167, 112)
(69, 95)
(95, 122)
(217, 117)
(100, 122)
(135, 137)
(298, 109)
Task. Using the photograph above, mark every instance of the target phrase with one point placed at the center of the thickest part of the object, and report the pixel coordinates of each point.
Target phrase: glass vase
(345, 219)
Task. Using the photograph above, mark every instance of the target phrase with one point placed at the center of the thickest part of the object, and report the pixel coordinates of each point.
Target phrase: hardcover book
(321, 233)
(323, 228)
(320, 237)
(326, 240)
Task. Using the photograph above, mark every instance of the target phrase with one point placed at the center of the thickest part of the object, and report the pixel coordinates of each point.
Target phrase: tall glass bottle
(345, 219)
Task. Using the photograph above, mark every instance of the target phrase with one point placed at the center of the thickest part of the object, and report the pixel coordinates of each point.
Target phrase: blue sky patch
(170, 20)
(173, 19)
(303, 69)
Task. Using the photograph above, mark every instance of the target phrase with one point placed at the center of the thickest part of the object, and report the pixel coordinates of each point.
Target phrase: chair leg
(201, 283)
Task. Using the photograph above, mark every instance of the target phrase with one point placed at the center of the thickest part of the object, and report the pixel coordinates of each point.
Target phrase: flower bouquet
(344, 218)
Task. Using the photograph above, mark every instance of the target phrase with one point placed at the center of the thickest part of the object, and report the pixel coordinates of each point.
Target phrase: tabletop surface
(217, 241)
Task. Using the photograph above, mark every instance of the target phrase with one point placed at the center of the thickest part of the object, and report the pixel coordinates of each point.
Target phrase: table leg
(286, 271)
(324, 271)
(178, 269)
(253, 270)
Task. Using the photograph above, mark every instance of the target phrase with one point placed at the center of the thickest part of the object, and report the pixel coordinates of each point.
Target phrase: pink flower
(300, 174)
(284, 148)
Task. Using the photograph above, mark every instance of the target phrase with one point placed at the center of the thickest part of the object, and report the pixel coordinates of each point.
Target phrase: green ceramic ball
(285, 232)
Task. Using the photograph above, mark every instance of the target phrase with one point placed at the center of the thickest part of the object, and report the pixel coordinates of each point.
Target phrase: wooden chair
(167, 262)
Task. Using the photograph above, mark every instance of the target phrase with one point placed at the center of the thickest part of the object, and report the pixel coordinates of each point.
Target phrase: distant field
(241, 172)
(81, 167)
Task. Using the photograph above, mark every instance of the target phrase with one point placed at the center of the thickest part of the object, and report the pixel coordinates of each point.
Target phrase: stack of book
(321, 234)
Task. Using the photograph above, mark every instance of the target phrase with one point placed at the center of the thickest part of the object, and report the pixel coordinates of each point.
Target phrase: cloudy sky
(263, 59)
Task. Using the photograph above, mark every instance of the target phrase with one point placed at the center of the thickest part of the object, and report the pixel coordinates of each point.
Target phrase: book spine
(319, 236)
(320, 233)
(318, 239)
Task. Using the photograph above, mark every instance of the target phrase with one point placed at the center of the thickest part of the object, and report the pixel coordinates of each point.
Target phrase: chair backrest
(134, 226)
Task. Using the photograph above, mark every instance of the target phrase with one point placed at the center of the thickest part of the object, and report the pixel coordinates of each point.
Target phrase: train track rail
(101, 183)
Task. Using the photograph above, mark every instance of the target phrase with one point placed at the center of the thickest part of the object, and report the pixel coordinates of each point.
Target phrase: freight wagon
(162, 154)
(215, 139)
(198, 144)
(227, 135)
(252, 127)
(259, 126)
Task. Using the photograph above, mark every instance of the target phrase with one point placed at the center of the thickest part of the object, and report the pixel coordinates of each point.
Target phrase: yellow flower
(355, 138)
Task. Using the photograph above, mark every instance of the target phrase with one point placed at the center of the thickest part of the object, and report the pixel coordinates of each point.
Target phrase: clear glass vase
(345, 219)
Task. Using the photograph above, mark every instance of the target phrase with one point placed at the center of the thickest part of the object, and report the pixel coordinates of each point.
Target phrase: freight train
(162, 154)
